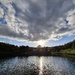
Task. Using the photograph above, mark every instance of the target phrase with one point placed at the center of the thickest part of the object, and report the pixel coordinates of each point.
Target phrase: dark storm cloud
(38, 19)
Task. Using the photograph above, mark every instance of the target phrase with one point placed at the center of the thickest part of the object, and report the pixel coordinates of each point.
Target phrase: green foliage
(68, 51)
(73, 44)
(68, 48)
(8, 49)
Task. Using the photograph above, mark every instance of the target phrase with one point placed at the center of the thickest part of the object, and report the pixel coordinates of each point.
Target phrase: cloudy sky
(34, 22)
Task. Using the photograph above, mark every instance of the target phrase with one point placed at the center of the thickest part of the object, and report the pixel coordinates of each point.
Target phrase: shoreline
(39, 55)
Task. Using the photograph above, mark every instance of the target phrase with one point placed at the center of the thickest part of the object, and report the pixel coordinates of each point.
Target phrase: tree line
(12, 50)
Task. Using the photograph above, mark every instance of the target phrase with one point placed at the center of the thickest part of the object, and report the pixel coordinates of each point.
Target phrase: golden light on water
(41, 66)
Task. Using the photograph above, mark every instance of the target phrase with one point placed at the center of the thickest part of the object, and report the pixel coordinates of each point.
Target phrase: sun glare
(41, 42)
(41, 66)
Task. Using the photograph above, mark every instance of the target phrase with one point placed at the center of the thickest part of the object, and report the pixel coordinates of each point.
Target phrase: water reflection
(37, 66)
(41, 66)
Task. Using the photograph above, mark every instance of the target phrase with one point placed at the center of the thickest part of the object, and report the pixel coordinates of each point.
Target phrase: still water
(35, 65)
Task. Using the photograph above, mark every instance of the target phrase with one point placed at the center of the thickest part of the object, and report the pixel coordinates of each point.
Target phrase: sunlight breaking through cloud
(37, 20)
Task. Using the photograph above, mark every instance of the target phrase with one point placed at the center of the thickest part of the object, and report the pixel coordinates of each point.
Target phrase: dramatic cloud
(1, 13)
(35, 20)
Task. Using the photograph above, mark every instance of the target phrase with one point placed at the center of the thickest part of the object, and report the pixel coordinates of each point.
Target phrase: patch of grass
(68, 51)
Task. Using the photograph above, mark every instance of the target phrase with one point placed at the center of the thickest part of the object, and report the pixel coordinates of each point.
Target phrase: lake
(34, 65)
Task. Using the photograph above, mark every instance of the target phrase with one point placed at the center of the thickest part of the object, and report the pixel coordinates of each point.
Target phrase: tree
(73, 45)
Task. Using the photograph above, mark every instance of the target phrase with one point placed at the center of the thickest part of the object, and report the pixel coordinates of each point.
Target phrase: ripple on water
(37, 66)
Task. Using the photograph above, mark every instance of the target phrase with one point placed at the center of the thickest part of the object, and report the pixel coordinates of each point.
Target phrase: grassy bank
(65, 53)
(68, 51)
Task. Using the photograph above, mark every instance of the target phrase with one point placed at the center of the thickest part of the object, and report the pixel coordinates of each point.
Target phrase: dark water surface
(35, 65)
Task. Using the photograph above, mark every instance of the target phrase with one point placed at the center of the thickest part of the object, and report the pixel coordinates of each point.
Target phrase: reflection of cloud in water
(41, 66)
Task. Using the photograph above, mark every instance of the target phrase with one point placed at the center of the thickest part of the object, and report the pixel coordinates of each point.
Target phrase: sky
(37, 22)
